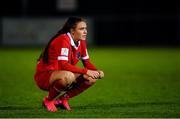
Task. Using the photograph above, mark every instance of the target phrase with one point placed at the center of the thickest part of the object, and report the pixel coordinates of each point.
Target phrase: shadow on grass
(99, 106)
(126, 105)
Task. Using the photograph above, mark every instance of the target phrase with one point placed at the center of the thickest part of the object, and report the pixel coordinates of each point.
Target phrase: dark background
(127, 22)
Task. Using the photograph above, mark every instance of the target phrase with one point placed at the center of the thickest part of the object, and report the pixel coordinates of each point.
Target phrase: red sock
(55, 89)
(77, 89)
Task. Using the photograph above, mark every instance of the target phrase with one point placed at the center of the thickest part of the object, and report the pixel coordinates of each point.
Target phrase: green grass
(139, 82)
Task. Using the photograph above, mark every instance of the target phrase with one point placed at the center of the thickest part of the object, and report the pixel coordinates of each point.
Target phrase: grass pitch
(139, 82)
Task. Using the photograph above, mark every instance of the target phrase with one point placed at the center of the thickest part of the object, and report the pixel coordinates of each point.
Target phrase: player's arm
(86, 60)
(87, 63)
(85, 57)
(66, 66)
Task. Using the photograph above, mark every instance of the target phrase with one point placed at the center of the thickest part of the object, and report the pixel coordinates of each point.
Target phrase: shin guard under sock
(76, 89)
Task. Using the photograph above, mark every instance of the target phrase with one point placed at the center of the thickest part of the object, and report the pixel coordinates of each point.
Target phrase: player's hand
(101, 74)
(93, 74)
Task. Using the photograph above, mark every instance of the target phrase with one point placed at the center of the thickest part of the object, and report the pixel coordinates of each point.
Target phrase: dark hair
(70, 23)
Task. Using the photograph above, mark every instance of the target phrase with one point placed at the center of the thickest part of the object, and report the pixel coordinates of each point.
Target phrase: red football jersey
(64, 55)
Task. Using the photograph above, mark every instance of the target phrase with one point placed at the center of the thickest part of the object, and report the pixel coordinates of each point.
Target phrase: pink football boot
(49, 105)
(62, 102)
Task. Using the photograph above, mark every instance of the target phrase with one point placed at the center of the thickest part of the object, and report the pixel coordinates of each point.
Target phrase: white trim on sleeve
(62, 58)
(85, 58)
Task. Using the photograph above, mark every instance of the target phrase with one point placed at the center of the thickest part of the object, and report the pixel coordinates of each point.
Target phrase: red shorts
(42, 79)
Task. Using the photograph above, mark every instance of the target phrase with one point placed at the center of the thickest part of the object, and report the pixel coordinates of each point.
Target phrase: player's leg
(83, 82)
(59, 81)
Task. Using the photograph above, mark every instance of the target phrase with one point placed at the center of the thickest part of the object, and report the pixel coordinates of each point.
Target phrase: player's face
(80, 32)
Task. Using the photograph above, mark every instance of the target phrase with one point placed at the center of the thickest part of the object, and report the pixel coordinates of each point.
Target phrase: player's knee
(69, 77)
(61, 83)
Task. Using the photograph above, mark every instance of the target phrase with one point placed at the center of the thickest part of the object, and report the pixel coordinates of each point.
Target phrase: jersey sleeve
(62, 48)
(67, 66)
(85, 57)
(87, 63)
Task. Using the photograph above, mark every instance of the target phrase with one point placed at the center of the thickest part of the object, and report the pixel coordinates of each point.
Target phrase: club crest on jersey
(78, 55)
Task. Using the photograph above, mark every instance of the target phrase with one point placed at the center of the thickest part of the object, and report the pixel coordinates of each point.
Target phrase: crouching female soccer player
(56, 71)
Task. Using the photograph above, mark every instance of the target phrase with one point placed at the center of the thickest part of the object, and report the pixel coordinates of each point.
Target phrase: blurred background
(110, 22)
